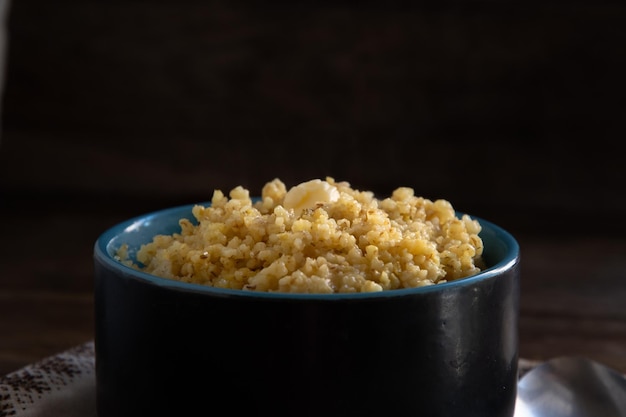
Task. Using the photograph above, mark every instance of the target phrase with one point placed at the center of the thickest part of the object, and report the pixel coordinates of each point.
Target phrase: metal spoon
(571, 387)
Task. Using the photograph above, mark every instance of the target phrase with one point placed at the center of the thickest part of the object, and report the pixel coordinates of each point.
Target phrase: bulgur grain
(331, 238)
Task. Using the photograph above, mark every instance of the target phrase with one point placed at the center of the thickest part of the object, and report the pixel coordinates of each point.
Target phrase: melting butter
(309, 194)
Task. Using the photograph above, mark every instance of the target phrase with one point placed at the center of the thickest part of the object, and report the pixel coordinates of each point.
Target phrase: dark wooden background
(513, 111)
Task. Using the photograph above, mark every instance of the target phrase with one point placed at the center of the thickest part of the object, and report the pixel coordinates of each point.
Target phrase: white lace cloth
(62, 385)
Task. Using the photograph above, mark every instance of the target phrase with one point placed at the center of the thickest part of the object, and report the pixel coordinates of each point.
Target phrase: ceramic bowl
(167, 348)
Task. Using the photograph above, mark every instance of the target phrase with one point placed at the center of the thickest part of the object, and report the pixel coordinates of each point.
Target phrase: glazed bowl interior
(501, 250)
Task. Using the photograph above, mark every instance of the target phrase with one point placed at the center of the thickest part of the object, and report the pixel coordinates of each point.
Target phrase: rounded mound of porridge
(320, 236)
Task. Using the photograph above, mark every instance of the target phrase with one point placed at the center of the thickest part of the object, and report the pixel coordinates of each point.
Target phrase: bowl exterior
(163, 351)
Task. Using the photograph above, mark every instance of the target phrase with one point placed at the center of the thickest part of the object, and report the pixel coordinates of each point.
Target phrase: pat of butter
(309, 194)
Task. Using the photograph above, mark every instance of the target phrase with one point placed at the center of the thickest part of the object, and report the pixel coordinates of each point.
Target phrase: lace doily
(60, 385)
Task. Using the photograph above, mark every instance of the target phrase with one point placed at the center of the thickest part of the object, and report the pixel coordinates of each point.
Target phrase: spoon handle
(571, 387)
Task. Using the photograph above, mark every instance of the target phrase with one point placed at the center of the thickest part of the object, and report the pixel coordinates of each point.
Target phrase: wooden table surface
(572, 300)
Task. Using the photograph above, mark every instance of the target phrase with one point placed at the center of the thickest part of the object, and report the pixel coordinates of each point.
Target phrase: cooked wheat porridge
(320, 236)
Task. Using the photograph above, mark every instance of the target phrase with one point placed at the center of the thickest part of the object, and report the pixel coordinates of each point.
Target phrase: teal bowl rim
(103, 252)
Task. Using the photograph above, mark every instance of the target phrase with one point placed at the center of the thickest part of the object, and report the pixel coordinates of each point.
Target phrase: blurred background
(513, 111)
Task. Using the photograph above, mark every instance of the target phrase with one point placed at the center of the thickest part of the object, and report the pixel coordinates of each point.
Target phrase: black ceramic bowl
(166, 348)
